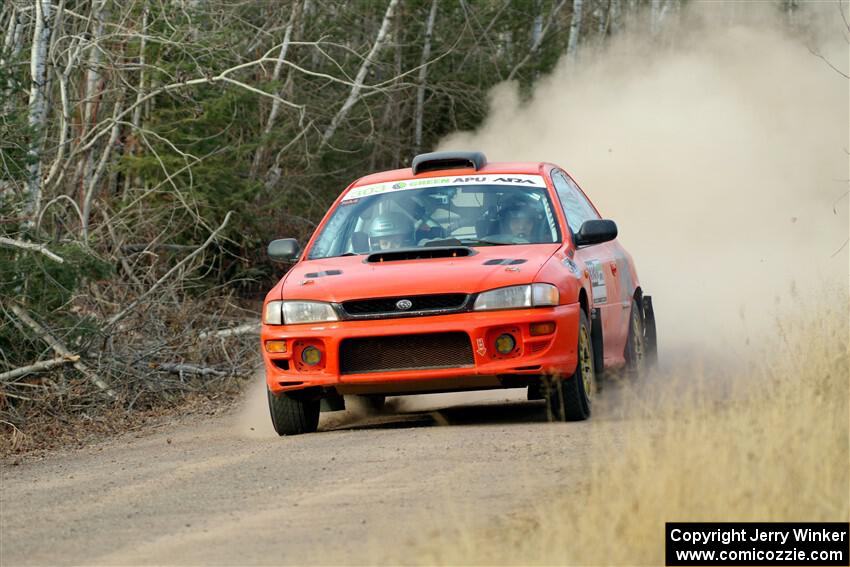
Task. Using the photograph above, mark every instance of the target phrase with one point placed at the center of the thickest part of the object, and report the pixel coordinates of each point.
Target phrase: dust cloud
(253, 420)
(719, 148)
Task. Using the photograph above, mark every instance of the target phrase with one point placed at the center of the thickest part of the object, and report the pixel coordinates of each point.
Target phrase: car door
(602, 266)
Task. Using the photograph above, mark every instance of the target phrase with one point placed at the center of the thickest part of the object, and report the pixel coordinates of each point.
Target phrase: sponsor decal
(597, 281)
(482, 349)
(406, 184)
(572, 267)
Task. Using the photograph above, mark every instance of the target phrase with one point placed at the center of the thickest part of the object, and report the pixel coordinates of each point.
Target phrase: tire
(636, 344)
(570, 399)
(293, 416)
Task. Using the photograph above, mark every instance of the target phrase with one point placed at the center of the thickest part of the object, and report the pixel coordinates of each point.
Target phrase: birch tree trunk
(536, 45)
(12, 44)
(657, 13)
(537, 25)
(614, 16)
(86, 165)
(136, 120)
(37, 118)
(361, 75)
(575, 31)
(65, 120)
(275, 110)
(423, 75)
(93, 74)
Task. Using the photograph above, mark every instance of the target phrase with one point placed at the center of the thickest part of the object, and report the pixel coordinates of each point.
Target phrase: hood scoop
(419, 254)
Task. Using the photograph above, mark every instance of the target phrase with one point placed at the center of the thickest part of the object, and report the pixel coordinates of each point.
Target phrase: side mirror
(595, 232)
(284, 250)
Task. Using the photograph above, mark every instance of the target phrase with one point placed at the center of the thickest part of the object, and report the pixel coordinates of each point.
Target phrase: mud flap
(596, 337)
(535, 390)
(649, 330)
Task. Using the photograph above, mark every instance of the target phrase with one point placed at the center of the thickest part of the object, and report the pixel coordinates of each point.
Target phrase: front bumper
(553, 353)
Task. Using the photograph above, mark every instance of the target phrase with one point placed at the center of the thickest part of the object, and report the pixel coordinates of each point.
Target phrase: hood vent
(420, 254)
(504, 262)
(323, 274)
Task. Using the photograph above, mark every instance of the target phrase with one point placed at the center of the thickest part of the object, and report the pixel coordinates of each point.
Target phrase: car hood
(351, 277)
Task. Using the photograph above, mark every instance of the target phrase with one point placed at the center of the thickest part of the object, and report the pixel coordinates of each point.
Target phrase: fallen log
(37, 367)
(246, 329)
(185, 368)
(61, 349)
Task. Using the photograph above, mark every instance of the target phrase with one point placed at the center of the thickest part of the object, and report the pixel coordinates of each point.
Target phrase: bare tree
(359, 79)
(276, 105)
(575, 31)
(423, 75)
(37, 103)
(538, 38)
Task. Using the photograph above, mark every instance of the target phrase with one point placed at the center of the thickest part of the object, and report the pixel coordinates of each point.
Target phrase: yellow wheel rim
(585, 361)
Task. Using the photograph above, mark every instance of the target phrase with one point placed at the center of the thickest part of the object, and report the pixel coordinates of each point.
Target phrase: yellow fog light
(537, 329)
(311, 356)
(276, 346)
(505, 344)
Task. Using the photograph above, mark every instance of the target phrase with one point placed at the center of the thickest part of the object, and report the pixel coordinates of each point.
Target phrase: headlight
(517, 296)
(295, 312)
(274, 313)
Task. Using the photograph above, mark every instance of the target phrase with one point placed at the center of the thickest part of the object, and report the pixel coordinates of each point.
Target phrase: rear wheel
(570, 399)
(293, 416)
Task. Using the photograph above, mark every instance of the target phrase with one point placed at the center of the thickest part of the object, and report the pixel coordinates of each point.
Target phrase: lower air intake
(405, 352)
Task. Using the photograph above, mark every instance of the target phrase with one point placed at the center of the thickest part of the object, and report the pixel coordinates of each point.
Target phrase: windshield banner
(453, 181)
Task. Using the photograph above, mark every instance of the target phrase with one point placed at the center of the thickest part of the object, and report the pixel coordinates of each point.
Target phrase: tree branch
(124, 312)
(10, 242)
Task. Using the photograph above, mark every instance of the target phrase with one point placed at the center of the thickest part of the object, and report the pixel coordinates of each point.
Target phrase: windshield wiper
(483, 242)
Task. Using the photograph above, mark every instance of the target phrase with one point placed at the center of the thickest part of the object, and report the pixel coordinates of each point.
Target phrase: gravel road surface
(226, 490)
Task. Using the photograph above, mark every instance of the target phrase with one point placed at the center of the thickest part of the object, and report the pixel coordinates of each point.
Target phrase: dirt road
(226, 490)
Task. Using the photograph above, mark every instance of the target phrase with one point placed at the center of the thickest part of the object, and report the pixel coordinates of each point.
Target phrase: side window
(576, 207)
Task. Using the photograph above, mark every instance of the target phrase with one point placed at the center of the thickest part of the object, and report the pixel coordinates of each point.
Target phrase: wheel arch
(584, 301)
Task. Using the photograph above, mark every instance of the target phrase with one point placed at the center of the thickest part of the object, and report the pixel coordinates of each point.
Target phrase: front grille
(405, 352)
(387, 306)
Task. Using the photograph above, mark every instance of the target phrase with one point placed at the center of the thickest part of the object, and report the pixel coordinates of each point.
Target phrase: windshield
(392, 216)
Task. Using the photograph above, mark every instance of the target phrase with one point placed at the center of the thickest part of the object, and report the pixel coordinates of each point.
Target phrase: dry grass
(761, 437)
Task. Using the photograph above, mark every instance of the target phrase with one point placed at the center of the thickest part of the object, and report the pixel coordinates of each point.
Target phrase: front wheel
(293, 416)
(570, 399)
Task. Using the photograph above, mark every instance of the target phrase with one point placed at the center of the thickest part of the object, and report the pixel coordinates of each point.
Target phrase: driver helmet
(389, 231)
(519, 219)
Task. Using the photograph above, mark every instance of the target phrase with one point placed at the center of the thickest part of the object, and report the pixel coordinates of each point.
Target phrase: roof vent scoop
(448, 160)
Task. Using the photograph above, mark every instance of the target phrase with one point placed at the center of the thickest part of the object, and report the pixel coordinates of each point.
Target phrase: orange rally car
(455, 274)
